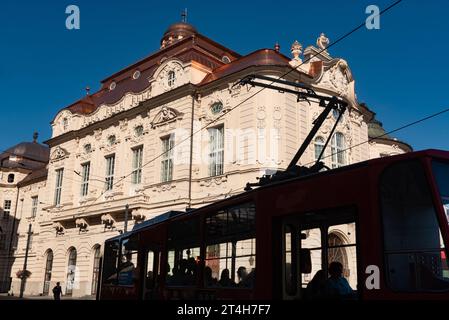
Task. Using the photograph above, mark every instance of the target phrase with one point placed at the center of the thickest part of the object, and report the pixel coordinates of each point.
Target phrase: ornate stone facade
(185, 88)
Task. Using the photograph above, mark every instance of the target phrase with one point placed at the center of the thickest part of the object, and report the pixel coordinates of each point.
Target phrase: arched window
(338, 146)
(96, 269)
(319, 145)
(11, 178)
(337, 252)
(65, 124)
(47, 274)
(71, 267)
(171, 78)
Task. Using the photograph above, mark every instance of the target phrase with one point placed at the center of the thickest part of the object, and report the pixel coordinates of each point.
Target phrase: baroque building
(173, 131)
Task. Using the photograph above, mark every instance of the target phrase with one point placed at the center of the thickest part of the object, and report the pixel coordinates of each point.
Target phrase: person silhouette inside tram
(209, 281)
(336, 285)
(245, 279)
(225, 279)
(317, 286)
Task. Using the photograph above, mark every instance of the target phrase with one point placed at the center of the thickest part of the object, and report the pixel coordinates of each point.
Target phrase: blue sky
(400, 70)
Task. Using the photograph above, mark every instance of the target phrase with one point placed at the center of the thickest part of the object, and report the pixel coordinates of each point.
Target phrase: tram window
(289, 265)
(415, 254)
(111, 253)
(231, 247)
(341, 242)
(184, 253)
(311, 240)
(441, 172)
(127, 271)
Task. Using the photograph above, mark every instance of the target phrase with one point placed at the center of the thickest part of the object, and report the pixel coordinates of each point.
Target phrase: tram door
(311, 241)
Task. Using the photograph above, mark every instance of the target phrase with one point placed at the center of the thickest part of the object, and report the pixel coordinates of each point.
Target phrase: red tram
(385, 220)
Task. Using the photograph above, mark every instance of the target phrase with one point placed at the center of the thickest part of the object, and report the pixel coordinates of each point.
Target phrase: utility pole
(125, 229)
(22, 282)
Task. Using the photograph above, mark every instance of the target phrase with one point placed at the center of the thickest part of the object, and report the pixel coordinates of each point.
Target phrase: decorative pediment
(164, 116)
(338, 77)
(59, 154)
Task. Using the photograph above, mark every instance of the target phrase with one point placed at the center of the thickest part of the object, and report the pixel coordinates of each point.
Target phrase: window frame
(337, 150)
(58, 186)
(137, 164)
(216, 151)
(34, 206)
(7, 205)
(85, 175)
(167, 163)
(110, 171)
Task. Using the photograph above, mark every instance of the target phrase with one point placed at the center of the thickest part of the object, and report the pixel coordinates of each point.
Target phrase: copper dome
(177, 31)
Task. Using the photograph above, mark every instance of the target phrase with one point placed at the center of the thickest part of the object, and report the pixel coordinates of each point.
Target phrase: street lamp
(24, 274)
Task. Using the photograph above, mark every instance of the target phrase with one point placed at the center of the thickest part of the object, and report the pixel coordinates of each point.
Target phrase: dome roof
(177, 31)
(30, 150)
(375, 129)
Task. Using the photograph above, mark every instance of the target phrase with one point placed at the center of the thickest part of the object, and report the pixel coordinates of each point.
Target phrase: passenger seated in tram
(336, 285)
(225, 280)
(245, 280)
(317, 286)
(127, 271)
(209, 281)
(191, 271)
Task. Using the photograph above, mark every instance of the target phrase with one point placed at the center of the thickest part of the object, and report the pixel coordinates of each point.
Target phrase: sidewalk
(4, 296)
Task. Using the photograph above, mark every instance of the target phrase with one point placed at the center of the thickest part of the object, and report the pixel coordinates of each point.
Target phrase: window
(231, 247)
(319, 145)
(167, 158)
(58, 188)
(136, 177)
(216, 107)
(171, 78)
(414, 250)
(110, 164)
(138, 131)
(11, 178)
(216, 147)
(441, 171)
(6, 209)
(112, 140)
(111, 254)
(88, 148)
(338, 153)
(71, 271)
(183, 252)
(65, 124)
(34, 203)
(127, 273)
(85, 170)
(96, 269)
(47, 274)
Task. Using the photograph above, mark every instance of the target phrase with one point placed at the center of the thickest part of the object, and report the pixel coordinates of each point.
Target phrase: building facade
(173, 131)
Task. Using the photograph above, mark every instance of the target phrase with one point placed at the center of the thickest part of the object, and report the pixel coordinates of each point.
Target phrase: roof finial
(277, 47)
(184, 16)
(35, 136)
(87, 90)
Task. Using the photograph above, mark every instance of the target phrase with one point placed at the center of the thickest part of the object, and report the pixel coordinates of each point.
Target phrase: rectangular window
(167, 158)
(58, 187)
(216, 151)
(183, 252)
(137, 165)
(414, 249)
(6, 209)
(85, 171)
(34, 203)
(110, 164)
(231, 247)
